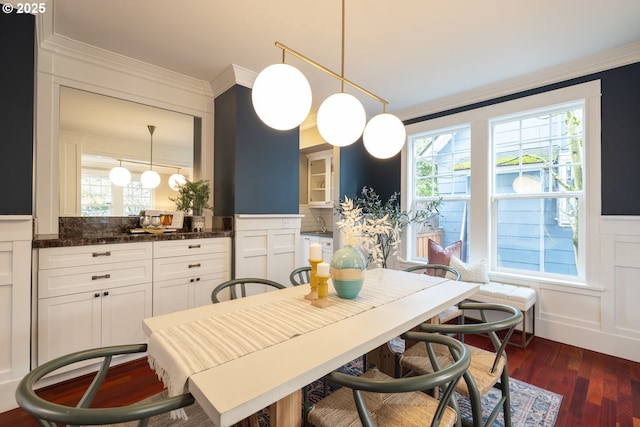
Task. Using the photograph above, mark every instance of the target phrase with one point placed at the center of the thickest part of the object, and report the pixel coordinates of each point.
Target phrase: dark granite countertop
(97, 238)
(318, 233)
(83, 231)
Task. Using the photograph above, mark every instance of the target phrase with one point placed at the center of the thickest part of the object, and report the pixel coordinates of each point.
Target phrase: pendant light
(281, 96)
(120, 176)
(341, 117)
(150, 178)
(177, 180)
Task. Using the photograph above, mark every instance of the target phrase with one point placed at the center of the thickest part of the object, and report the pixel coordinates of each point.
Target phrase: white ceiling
(405, 51)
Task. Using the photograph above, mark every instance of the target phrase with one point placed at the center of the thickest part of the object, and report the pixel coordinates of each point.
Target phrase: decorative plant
(377, 226)
(193, 196)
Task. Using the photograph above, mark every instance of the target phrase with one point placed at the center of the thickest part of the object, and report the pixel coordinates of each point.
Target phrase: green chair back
(300, 276)
(238, 287)
(49, 413)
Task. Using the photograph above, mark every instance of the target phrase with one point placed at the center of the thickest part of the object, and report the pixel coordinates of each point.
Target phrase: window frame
(481, 224)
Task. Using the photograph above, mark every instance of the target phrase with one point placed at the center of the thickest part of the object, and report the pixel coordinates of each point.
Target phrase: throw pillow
(472, 272)
(438, 255)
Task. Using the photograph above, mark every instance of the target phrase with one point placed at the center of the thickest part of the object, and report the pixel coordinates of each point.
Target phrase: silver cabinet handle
(194, 265)
(97, 254)
(194, 246)
(104, 276)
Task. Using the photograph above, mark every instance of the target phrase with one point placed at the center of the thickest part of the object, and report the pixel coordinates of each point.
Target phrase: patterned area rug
(530, 405)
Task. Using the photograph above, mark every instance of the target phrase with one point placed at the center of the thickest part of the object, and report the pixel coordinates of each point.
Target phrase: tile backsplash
(310, 221)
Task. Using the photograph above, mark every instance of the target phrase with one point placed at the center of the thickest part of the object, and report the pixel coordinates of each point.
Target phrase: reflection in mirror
(98, 133)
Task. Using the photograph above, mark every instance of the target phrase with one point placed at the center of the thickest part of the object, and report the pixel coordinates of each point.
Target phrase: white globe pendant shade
(281, 96)
(120, 176)
(384, 136)
(176, 180)
(341, 119)
(150, 179)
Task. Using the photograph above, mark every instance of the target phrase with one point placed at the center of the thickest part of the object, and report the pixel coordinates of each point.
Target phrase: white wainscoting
(603, 317)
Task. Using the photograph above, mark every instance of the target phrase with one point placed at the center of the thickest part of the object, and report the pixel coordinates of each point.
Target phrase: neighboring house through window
(514, 183)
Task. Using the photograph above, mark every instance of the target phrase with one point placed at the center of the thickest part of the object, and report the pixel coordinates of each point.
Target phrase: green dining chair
(238, 287)
(48, 413)
(300, 276)
(488, 369)
(376, 399)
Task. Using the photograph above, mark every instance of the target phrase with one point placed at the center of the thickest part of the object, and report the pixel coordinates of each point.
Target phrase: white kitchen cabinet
(267, 246)
(187, 271)
(327, 248)
(15, 305)
(79, 321)
(92, 296)
(326, 244)
(320, 178)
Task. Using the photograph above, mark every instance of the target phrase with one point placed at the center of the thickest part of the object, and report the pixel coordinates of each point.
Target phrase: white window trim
(480, 221)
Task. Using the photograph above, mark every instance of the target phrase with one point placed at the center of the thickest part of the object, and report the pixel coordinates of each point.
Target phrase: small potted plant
(193, 199)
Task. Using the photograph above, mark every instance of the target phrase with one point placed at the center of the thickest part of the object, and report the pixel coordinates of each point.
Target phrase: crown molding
(230, 76)
(50, 42)
(602, 61)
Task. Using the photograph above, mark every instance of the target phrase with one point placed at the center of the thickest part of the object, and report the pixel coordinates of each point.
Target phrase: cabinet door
(122, 312)
(327, 248)
(69, 323)
(203, 286)
(305, 241)
(251, 253)
(171, 295)
(282, 254)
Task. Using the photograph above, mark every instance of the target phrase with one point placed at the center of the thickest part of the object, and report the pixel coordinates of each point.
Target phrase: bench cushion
(520, 297)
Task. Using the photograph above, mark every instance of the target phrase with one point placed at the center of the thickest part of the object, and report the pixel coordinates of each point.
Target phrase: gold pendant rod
(328, 71)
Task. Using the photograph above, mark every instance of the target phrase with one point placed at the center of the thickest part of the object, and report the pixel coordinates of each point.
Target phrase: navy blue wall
(256, 168)
(358, 169)
(17, 33)
(620, 133)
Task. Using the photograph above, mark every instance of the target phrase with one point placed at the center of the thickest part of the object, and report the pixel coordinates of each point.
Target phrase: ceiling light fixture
(120, 176)
(177, 180)
(341, 117)
(150, 178)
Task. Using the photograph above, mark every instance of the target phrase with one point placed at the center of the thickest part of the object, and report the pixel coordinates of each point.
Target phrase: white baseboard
(8, 395)
(606, 343)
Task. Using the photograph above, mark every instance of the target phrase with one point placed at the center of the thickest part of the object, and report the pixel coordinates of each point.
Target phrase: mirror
(98, 133)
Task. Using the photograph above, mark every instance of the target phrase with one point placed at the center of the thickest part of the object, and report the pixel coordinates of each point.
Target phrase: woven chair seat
(416, 359)
(393, 409)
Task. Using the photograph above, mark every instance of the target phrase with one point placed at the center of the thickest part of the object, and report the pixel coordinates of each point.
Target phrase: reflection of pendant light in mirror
(281, 96)
(384, 136)
(150, 178)
(177, 180)
(120, 176)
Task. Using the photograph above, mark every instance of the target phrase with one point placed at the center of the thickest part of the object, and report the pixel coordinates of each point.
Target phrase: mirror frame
(64, 62)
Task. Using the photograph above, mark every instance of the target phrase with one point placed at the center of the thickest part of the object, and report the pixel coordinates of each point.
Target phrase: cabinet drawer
(188, 266)
(76, 256)
(65, 281)
(173, 248)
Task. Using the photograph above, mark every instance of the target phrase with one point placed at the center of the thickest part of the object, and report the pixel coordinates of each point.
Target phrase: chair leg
(506, 393)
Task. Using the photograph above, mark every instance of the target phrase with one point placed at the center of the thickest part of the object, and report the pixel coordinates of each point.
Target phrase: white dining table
(233, 372)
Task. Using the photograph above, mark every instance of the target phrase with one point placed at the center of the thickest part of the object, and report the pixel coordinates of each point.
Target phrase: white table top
(231, 391)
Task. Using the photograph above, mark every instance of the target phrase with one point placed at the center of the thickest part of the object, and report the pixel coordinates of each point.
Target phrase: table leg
(287, 411)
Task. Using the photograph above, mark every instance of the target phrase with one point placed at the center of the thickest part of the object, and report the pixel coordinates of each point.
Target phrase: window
(519, 183)
(441, 171)
(101, 198)
(537, 191)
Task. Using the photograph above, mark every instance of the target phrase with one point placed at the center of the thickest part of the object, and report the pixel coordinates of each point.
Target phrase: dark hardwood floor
(598, 390)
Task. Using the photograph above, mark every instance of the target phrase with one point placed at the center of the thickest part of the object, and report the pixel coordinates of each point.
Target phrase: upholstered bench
(520, 297)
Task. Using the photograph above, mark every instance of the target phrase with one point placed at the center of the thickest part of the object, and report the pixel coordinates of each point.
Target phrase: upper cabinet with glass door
(320, 169)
